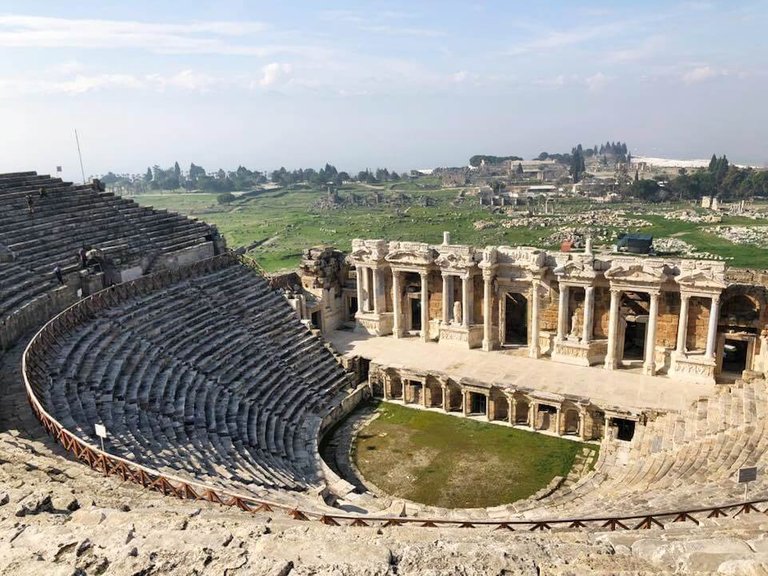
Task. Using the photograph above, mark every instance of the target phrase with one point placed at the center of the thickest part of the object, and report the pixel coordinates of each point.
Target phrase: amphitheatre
(219, 387)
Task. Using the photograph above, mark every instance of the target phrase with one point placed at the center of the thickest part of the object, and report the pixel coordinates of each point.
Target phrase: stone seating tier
(213, 378)
(69, 217)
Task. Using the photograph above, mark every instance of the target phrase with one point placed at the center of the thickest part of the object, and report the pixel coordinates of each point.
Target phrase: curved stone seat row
(212, 378)
(69, 217)
(678, 461)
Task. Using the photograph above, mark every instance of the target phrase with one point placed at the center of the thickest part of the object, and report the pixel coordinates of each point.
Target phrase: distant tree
(542, 156)
(195, 171)
(577, 163)
(148, 176)
(519, 170)
(225, 198)
(645, 190)
(177, 170)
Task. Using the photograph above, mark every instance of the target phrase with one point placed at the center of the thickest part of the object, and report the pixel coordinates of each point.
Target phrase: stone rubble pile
(692, 216)
(757, 235)
(601, 218)
(681, 247)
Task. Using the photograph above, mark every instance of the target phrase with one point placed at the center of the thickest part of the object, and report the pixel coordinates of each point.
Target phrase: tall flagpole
(82, 171)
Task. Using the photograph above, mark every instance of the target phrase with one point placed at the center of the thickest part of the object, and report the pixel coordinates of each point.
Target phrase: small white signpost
(101, 432)
(747, 475)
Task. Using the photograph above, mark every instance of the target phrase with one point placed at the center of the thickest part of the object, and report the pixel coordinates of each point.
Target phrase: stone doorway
(625, 429)
(545, 417)
(415, 308)
(515, 319)
(572, 422)
(351, 307)
(634, 312)
(735, 354)
(478, 403)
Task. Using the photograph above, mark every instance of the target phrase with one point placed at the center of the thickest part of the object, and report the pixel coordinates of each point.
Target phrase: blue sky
(368, 84)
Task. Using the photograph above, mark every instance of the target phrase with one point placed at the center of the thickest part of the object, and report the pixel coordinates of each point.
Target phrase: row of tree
(721, 179)
(220, 181)
(479, 159)
(330, 175)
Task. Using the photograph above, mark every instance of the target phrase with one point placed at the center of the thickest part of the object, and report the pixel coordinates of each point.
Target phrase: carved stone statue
(457, 312)
(575, 325)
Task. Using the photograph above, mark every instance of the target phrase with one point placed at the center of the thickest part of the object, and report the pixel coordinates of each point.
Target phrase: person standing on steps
(30, 204)
(81, 255)
(58, 274)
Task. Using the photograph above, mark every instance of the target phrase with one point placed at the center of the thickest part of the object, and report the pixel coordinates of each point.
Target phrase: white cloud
(273, 73)
(596, 82)
(699, 74)
(402, 31)
(215, 37)
(459, 76)
(556, 39)
(81, 83)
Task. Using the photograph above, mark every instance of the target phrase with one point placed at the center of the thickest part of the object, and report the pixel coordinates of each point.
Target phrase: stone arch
(571, 419)
(395, 386)
(522, 410)
(740, 309)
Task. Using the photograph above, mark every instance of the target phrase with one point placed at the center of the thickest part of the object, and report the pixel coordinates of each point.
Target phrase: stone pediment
(578, 269)
(453, 260)
(411, 254)
(368, 251)
(702, 275)
(633, 272)
(531, 259)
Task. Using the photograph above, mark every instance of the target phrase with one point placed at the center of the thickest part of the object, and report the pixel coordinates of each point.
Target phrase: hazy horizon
(390, 84)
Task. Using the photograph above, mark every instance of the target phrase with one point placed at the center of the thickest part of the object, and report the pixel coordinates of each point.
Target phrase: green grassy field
(452, 462)
(283, 222)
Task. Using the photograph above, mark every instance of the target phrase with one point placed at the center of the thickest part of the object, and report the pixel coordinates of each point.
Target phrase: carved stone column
(562, 312)
(589, 313)
(466, 301)
(682, 324)
(447, 297)
(446, 396)
(714, 313)
(487, 312)
(397, 328)
(649, 366)
(359, 271)
(613, 328)
(424, 306)
(377, 288)
(557, 421)
(534, 351)
(465, 402)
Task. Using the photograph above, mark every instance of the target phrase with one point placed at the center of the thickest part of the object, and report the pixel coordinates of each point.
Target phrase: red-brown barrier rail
(111, 465)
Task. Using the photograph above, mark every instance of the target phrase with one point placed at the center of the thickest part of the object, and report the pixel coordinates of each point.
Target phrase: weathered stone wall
(666, 324)
(548, 308)
(435, 296)
(698, 323)
(602, 312)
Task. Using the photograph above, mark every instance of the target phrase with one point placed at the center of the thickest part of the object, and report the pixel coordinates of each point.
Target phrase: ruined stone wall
(477, 301)
(698, 323)
(435, 283)
(668, 318)
(602, 312)
(548, 308)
